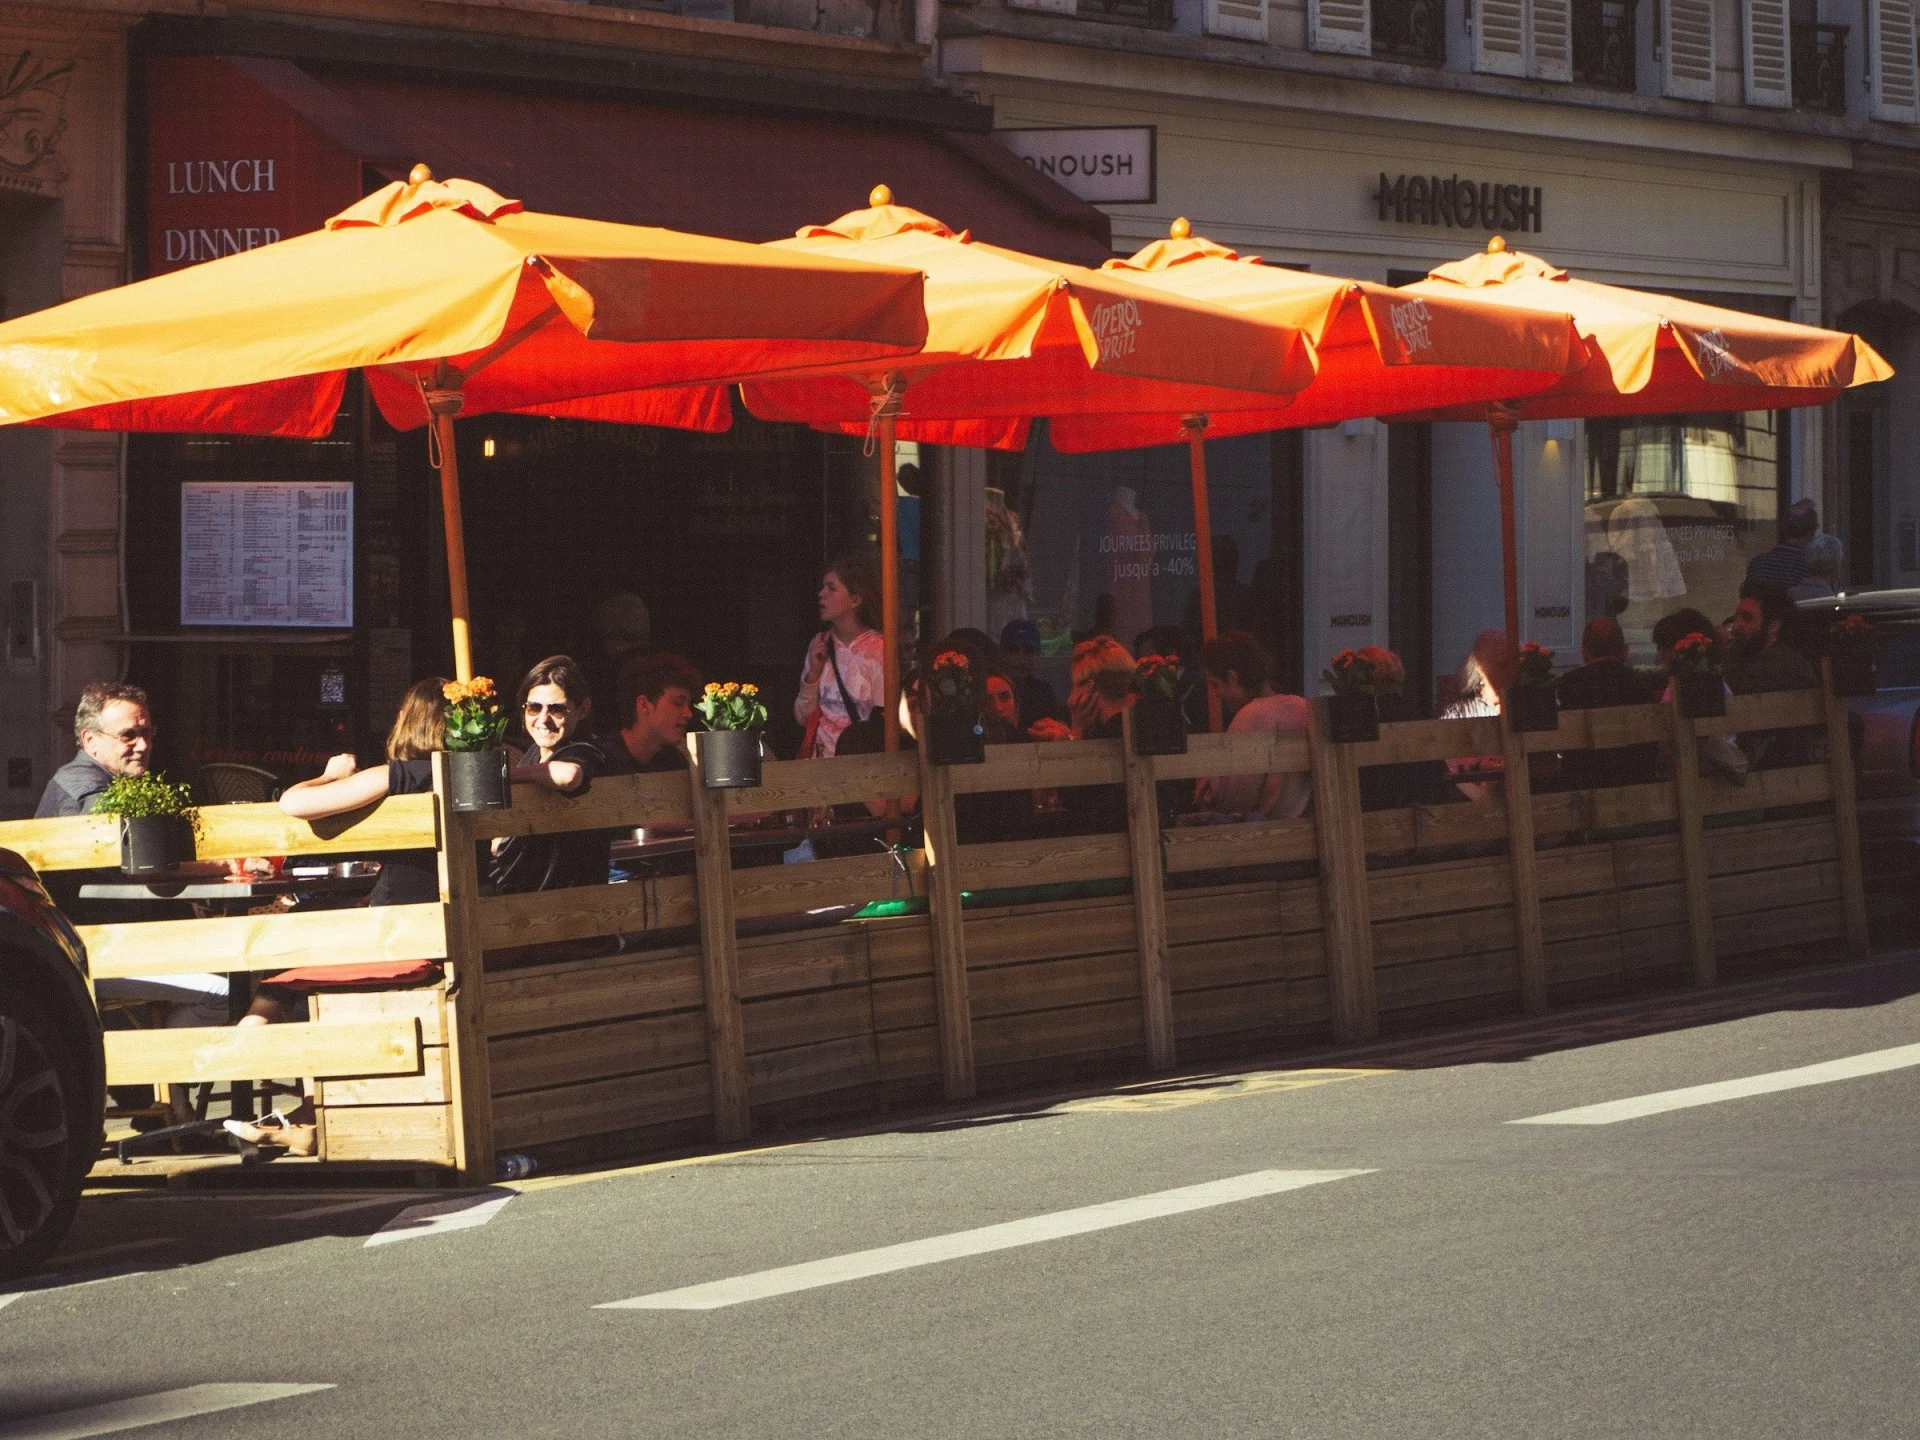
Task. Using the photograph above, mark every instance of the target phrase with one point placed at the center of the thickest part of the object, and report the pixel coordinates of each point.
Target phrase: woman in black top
(555, 702)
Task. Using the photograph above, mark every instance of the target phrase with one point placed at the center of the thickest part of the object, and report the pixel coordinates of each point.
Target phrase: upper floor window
(1604, 52)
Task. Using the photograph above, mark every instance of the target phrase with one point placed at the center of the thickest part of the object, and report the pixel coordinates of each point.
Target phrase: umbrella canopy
(1656, 354)
(1377, 350)
(452, 299)
(1011, 337)
(1648, 354)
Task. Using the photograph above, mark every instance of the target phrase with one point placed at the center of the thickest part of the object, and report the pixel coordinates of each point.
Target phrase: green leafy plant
(1698, 654)
(1350, 673)
(732, 706)
(1536, 665)
(949, 685)
(145, 797)
(1157, 677)
(475, 720)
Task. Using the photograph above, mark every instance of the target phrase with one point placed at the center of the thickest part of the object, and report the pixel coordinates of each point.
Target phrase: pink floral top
(863, 669)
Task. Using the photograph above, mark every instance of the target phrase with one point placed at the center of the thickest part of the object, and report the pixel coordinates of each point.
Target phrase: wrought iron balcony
(1414, 31)
(1820, 68)
(1603, 49)
(1145, 14)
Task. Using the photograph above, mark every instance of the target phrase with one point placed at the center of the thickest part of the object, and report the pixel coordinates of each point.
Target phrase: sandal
(277, 1130)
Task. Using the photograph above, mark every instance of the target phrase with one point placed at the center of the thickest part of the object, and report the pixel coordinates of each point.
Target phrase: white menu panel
(266, 553)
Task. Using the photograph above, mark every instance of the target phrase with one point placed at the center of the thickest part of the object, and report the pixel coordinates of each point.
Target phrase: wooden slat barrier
(671, 1038)
(196, 1055)
(307, 938)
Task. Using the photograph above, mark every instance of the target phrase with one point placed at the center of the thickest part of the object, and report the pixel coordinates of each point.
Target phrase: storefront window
(1106, 543)
(1675, 507)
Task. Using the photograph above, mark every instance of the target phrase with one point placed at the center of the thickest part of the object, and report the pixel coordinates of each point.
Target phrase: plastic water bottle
(515, 1167)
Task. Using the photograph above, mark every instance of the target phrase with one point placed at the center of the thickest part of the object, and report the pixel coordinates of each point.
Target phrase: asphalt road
(1747, 1267)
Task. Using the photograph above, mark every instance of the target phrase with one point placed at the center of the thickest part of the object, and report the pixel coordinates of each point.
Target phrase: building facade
(1730, 150)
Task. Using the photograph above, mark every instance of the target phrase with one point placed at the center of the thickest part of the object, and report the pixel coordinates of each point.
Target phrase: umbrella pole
(1196, 428)
(890, 576)
(444, 405)
(1501, 423)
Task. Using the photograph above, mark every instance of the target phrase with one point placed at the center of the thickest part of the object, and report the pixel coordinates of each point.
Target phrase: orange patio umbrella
(1649, 355)
(1378, 351)
(451, 299)
(1012, 336)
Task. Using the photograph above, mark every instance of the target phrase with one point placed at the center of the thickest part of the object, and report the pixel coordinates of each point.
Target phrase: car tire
(47, 1143)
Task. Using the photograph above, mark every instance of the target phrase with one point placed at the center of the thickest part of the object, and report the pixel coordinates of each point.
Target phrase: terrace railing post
(1346, 920)
(952, 1005)
(1531, 949)
(472, 1091)
(1149, 898)
(719, 956)
(1693, 844)
(1846, 816)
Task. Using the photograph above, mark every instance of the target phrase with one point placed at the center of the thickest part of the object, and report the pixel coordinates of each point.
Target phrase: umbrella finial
(1497, 245)
(879, 195)
(419, 175)
(1181, 229)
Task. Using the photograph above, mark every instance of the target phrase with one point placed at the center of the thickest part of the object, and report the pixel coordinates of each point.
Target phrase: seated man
(1603, 681)
(1407, 782)
(656, 706)
(1020, 651)
(1238, 674)
(1761, 661)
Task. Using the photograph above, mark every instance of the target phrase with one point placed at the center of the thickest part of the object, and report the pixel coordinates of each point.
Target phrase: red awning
(743, 176)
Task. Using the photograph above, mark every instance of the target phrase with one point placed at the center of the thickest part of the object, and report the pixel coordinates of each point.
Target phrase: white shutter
(1893, 90)
(1769, 55)
(1500, 36)
(1686, 49)
(1241, 19)
(1340, 27)
(1550, 39)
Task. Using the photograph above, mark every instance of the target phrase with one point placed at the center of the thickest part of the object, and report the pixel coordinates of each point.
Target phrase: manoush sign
(1109, 164)
(230, 167)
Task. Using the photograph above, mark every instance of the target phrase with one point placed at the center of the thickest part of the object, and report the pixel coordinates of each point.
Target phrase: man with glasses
(115, 731)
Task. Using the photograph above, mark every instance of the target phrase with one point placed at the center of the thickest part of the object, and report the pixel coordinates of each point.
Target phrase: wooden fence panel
(310, 939)
(259, 1052)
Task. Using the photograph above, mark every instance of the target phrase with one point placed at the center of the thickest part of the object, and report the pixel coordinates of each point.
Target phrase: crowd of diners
(569, 746)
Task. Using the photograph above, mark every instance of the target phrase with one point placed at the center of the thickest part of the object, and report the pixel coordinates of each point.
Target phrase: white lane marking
(6, 1300)
(1874, 1062)
(118, 1415)
(462, 1212)
(932, 1251)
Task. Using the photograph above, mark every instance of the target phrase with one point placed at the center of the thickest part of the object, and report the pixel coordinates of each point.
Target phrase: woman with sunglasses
(555, 701)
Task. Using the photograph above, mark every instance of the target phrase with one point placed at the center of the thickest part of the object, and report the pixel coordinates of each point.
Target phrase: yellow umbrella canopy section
(429, 282)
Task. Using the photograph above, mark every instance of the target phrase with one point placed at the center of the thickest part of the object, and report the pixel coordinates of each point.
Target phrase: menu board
(264, 553)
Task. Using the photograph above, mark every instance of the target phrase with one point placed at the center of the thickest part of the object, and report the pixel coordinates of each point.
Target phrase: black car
(52, 1071)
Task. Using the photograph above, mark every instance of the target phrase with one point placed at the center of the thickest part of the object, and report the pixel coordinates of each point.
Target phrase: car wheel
(43, 1138)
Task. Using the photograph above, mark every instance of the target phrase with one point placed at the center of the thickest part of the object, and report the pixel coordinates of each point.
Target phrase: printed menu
(266, 553)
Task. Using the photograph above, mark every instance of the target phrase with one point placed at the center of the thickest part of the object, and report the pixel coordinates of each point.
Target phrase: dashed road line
(862, 1264)
(1201, 1090)
(1852, 1067)
(462, 1212)
(118, 1415)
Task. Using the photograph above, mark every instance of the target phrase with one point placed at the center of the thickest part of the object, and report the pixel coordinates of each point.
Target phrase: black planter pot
(1702, 697)
(1854, 675)
(1158, 727)
(729, 759)
(1352, 719)
(155, 842)
(477, 780)
(1532, 707)
(956, 739)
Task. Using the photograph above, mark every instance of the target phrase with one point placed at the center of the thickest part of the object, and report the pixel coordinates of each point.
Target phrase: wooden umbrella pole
(1196, 428)
(890, 576)
(1501, 422)
(443, 406)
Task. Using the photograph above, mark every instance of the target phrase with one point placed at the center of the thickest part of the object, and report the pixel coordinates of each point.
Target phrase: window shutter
(1893, 90)
(1550, 39)
(1240, 19)
(1686, 49)
(1500, 37)
(1769, 55)
(1340, 27)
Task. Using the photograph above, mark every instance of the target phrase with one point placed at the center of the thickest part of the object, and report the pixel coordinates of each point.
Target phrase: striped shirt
(1783, 565)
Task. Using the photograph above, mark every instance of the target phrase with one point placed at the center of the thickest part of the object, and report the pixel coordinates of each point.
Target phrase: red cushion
(384, 975)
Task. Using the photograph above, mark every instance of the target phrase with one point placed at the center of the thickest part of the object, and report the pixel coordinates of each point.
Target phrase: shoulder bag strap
(853, 711)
